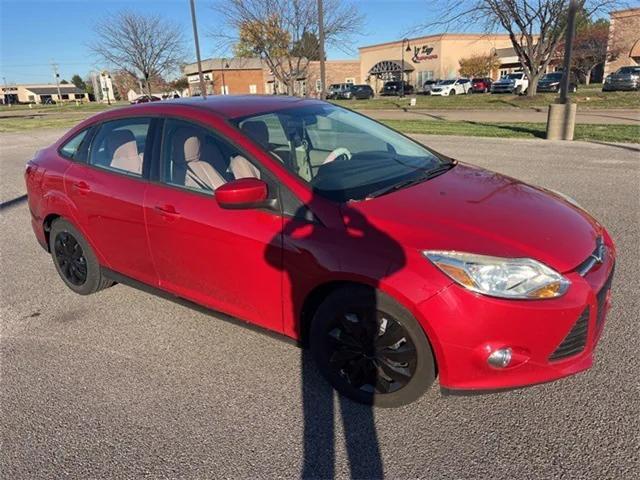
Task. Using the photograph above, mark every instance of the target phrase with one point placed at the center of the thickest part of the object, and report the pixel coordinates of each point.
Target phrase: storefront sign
(423, 53)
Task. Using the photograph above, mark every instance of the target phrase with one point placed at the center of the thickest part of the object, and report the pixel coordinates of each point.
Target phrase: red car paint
(263, 267)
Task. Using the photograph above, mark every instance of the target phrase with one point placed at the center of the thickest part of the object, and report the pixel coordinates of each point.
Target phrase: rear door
(229, 260)
(108, 191)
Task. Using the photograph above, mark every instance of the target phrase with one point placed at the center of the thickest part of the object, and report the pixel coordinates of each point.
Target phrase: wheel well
(315, 298)
(48, 221)
(313, 301)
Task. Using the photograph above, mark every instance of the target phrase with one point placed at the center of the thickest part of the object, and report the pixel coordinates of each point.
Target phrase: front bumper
(502, 88)
(466, 327)
(548, 88)
(441, 93)
(620, 85)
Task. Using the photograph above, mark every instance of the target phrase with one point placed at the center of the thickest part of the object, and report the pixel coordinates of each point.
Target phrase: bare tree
(144, 47)
(278, 31)
(535, 27)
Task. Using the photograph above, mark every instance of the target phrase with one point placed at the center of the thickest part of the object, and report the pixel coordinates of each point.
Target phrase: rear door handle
(81, 187)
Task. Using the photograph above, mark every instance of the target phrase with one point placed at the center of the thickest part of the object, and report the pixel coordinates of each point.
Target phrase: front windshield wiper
(427, 175)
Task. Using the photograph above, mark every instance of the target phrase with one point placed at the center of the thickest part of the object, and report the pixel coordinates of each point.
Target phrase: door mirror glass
(243, 193)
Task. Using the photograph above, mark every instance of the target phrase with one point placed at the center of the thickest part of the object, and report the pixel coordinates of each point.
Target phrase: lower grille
(576, 339)
(602, 297)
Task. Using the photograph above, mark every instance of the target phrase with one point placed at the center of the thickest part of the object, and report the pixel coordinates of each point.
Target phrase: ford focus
(393, 263)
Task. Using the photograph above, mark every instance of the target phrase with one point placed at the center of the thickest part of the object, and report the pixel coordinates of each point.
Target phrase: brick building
(624, 37)
(252, 75)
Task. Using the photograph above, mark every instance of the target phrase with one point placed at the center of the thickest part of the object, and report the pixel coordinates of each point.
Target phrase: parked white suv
(516, 83)
(458, 86)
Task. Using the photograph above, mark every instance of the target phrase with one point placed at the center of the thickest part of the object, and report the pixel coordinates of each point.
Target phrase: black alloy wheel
(371, 351)
(70, 258)
(370, 348)
(74, 259)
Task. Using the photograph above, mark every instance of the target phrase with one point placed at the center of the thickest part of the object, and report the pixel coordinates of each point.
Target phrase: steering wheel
(337, 153)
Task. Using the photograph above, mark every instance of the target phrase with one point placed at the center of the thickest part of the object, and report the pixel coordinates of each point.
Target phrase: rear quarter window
(72, 149)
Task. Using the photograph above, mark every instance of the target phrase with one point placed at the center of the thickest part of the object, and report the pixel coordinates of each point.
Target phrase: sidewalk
(533, 115)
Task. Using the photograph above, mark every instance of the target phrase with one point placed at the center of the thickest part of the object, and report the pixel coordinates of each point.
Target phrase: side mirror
(243, 193)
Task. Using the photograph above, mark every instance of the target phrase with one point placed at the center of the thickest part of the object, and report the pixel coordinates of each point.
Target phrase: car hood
(474, 210)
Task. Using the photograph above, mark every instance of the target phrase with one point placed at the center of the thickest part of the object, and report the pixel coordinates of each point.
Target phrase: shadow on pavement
(13, 202)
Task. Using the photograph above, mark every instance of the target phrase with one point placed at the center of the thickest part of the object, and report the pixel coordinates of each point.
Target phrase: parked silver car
(625, 78)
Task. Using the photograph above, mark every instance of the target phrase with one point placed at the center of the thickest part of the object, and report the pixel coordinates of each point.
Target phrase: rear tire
(74, 259)
(371, 349)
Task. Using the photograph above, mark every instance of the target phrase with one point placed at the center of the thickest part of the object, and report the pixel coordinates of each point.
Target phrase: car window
(194, 158)
(340, 154)
(72, 147)
(119, 145)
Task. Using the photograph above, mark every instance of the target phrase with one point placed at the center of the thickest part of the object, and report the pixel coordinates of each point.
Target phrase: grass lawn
(59, 108)
(587, 97)
(603, 133)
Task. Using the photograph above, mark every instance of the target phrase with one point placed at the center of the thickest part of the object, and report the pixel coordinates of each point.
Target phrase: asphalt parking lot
(123, 384)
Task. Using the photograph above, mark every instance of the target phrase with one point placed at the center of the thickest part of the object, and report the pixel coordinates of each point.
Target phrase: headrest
(119, 138)
(187, 144)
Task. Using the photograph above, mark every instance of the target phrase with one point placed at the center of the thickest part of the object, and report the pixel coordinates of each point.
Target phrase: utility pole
(203, 89)
(57, 77)
(321, 49)
(568, 51)
(561, 120)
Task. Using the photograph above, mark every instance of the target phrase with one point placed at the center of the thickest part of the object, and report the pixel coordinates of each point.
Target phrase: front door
(228, 260)
(108, 191)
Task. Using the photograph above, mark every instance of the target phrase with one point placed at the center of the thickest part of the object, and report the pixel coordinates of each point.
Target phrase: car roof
(228, 106)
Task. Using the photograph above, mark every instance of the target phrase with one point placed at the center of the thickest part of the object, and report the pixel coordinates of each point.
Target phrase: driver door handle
(81, 187)
(167, 211)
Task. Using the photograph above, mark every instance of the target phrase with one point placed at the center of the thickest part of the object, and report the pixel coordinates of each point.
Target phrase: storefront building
(41, 93)
(234, 76)
(624, 40)
(424, 58)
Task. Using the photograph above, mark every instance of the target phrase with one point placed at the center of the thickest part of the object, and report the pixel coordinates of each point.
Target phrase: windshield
(629, 70)
(342, 155)
(514, 76)
(447, 82)
(552, 76)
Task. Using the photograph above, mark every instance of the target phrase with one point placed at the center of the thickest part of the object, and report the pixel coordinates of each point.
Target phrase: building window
(65, 96)
(253, 89)
(318, 85)
(32, 98)
(224, 90)
(422, 77)
(350, 80)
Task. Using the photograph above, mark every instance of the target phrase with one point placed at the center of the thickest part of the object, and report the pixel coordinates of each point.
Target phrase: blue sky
(34, 33)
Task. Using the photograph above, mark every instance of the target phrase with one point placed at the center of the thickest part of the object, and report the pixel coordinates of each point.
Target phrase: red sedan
(392, 262)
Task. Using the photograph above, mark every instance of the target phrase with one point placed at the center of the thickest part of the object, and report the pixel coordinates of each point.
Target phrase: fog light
(500, 358)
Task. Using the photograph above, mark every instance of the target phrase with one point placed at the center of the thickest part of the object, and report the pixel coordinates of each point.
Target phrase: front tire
(452, 92)
(74, 259)
(371, 349)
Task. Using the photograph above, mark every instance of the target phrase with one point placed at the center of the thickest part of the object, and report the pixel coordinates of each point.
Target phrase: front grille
(597, 256)
(602, 297)
(576, 340)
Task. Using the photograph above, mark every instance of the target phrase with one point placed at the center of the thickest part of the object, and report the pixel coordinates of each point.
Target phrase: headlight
(516, 278)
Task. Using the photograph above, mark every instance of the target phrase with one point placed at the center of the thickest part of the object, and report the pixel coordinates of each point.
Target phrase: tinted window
(119, 145)
(196, 159)
(72, 147)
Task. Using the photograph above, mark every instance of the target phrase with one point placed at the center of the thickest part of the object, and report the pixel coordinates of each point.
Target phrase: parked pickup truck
(511, 83)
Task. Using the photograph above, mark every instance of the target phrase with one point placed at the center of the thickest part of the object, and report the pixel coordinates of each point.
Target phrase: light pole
(224, 64)
(321, 48)
(203, 88)
(408, 49)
